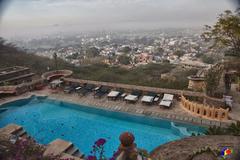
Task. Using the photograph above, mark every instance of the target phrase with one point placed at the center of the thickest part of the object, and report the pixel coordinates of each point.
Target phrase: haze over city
(36, 17)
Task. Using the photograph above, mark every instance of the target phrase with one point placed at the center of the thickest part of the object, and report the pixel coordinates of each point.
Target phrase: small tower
(197, 82)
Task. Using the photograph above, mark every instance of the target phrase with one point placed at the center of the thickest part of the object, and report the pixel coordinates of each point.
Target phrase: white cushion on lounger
(165, 103)
(113, 94)
(97, 88)
(147, 99)
(168, 97)
(123, 95)
(131, 98)
(78, 88)
(156, 99)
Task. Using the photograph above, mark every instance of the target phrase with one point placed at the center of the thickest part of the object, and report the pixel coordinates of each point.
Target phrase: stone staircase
(61, 147)
(15, 130)
(65, 149)
(21, 133)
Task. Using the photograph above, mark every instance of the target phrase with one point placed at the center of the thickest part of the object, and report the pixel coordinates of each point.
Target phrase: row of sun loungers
(150, 98)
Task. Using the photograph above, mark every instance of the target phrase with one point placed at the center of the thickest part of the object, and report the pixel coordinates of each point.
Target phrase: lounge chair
(68, 89)
(149, 98)
(97, 88)
(77, 88)
(86, 89)
(114, 95)
(102, 91)
(167, 100)
(134, 96)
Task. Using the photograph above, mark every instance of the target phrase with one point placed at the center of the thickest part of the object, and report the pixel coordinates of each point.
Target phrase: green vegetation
(148, 75)
(10, 56)
(208, 59)
(92, 52)
(26, 149)
(124, 59)
(125, 49)
(225, 33)
(233, 129)
(179, 53)
(212, 80)
(55, 58)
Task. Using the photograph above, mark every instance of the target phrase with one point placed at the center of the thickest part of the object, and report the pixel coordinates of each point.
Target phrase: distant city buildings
(179, 47)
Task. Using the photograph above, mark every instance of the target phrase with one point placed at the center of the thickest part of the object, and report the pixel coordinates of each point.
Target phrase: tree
(208, 59)
(213, 78)
(124, 59)
(215, 131)
(92, 52)
(225, 33)
(55, 58)
(233, 129)
(159, 51)
(179, 53)
(126, 49)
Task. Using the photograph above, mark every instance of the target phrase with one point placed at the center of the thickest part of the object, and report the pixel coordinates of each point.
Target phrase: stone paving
(175, 113)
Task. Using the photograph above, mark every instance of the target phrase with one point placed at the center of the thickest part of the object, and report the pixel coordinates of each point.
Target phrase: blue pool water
(46, 120)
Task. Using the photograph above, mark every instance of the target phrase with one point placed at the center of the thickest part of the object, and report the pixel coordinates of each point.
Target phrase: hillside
(11, 56)
(148, 75)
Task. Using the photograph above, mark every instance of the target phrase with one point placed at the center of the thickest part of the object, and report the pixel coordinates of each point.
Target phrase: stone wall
(196, 85)
(205, 111)
(56, 74)
(135, 87)
(185, 148)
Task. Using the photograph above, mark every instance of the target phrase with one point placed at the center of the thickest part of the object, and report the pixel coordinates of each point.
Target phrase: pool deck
(175, 113)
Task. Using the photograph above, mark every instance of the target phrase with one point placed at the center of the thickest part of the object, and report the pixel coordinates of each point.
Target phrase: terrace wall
(205, 111)
(56, 74)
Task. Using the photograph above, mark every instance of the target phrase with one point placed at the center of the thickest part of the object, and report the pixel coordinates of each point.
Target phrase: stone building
(197, 82)
(15, 75)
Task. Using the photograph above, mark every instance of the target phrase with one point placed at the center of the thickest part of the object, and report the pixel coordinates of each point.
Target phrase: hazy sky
(33, 17)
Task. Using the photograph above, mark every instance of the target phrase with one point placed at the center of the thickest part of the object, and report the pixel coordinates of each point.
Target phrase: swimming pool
(46, 120)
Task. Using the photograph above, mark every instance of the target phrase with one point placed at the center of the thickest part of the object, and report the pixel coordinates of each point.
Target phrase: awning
(113, 94)
(131, 98)
(148, 99)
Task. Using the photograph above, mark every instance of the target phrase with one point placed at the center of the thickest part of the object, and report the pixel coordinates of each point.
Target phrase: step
(17, 130)
(20, 133)
(71, 150)
(25, 135)
(78, 154)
